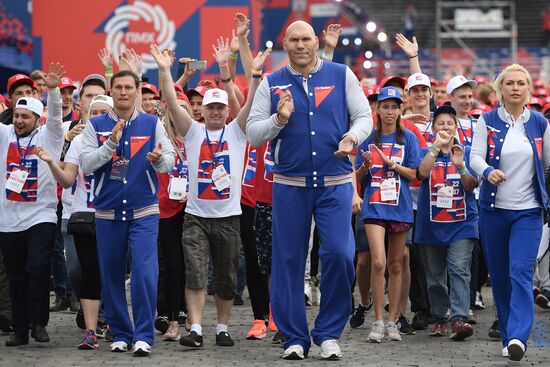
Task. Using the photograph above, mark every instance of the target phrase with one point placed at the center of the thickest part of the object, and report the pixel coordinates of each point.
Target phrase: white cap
(215, 95)
(418, 79)
(458, 81)
(101, 98)
(31, 104)
(99, 77)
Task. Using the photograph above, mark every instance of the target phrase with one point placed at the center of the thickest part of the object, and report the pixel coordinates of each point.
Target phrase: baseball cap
(31, 104)
(66, 82)
(538, 83)
(101, 98)
(183, 97)
(151, 88)
(18, 79)
(389, 93)
(215, 95)
(418, 79)
(458, 81)
(443, 109)
(540, 92)
(535, 100)
(395, 79)
(200, 90)
(434, 81)
(94, 77)
(476, 112)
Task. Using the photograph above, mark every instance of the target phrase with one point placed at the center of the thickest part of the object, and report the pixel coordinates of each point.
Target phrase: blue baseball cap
(389, 93)
(444, 109)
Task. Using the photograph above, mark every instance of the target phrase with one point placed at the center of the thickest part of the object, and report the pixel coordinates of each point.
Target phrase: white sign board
(477, 19)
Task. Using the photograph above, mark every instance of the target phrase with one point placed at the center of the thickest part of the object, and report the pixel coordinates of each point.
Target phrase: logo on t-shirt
(250, 168)
(30, 188)
(380, 172)
(458, 211)
(268, 163)
(206, 188)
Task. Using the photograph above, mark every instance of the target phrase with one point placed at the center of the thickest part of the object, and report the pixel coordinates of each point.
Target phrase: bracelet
(412, 57)
(108, 75)
(394, 165)
(254, 71)
(432, 154)
(463, 171)
(109, 67)
(233, 55)
(434, 148)
(257, 76)
(225, 81)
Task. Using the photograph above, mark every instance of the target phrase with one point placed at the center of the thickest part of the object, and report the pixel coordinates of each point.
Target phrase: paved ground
(417, 350)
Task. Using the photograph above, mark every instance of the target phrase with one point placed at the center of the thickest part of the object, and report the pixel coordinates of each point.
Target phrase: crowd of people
(413, 187)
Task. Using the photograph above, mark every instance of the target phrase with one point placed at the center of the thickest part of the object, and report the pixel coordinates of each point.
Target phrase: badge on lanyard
(221, 178)
(445, 197)
(177, 188)
(17, 180)
(119, 169)
(388, 190)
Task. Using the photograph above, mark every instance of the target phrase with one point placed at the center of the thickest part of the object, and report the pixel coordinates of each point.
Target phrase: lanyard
(468, 142)
(389, 157)
(218, 145)
(179, 164)
(445, 162)
(23, 158)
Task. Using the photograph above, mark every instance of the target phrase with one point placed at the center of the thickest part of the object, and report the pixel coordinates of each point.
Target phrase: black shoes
(223, 339)
(162, 324)
(5, 324)
(419, 321)
(16, 340)
(192, 340)
(39, 334)
(60, 304)
(80, 320)
(238, 300)
(74, 303)
(278, 338)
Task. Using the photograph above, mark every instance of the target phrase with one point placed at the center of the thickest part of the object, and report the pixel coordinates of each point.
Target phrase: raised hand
(106, 57)
(367, 158)
(163, 59)
(259, 61)
(417, 118)
(383, 156)
(331, 35)
(442, 138)
(187, 71)
(155, 156)
(457, 156)
(496, 177)
(43, 154)
(221, 51)
(132, 60)
(75, 131)
(55, 73)
(345, 146)
(234, 45)
(243, 24)
(285, 106)
(410, 48)
(116, 133)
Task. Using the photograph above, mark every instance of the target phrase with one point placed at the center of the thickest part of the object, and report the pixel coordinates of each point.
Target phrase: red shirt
(168, 207)
(264, 174)
(249, 177)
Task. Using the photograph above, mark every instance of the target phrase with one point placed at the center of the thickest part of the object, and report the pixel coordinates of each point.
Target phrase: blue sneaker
(89, 341)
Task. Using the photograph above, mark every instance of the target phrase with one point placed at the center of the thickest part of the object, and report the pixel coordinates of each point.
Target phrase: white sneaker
(294, 352)
(516, 350)
(504, 352)
(119, 347)
(141, 349)
(393, 331)
(330, 350)
(376, 332)
(307, 293)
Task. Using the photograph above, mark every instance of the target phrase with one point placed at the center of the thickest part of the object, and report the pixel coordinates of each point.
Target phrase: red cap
(434, 81)
(183, 97)
(540, 92)
(535, 100)
(198, 90)
(151, 88)
(178, 88)
(476, 112)
(206, 83)
(18, 79)
(538, 84)
(66, 82)
(546, 108)
(401, 81)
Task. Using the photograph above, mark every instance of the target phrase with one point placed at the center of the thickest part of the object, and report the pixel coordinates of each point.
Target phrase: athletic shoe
(223, 339)
(358, 318)
(393, 331)
(182, 317)
(142, 349)
(99, 333)
(419, 321)
(278, 338)
(271, 326)
(89, 341)
(461, 330)
(542, 300)
(258, 330)
(504, 352)
(173, 332)
(330, 350)
(307, 294)
(439, 329)
(238, 300)
(377, 332)
(119, 347)
(472, 319)
(536, 292)
(479, 305)
(294, 352)
(162, 324)
(404, 327)
(516, 350)
(192, 340)
(74, 303)
(494, 331)
(60, 304)
(80, 320)
(109, 336)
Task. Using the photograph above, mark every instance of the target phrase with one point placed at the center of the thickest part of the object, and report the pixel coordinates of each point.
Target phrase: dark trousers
(171, 295)
(255, 281)
(418, 293)
(27, 257)
(90, 282)
(5, 303)
(62, 284)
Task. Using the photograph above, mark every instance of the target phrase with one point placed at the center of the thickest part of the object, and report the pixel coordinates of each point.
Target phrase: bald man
(304, 110)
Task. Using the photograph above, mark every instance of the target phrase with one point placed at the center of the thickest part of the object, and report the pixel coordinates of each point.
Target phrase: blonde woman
(510, 153)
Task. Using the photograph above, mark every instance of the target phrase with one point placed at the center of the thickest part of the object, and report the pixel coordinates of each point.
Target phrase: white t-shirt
(82, 192)
(205, 200)
(37, 202)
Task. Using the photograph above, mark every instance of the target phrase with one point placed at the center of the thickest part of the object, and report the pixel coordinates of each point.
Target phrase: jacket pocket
(276, 151)
(99, 185)
(153, 191)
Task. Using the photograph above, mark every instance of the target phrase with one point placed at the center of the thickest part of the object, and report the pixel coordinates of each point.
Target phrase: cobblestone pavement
(417, 350)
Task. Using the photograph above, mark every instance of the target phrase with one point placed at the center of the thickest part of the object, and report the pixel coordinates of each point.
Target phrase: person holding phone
(388, 159)
(446, 224)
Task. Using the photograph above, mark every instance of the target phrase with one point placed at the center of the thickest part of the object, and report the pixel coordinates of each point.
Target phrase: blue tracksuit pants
(113, 240)
(510, 241)
(293, 208)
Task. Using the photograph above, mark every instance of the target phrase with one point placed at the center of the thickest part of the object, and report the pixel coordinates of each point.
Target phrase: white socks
(220, 328)
(196, 328)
